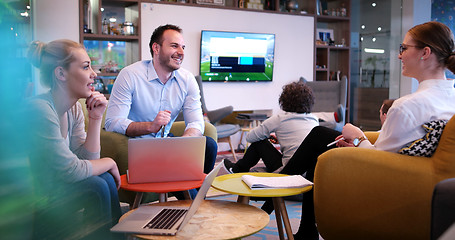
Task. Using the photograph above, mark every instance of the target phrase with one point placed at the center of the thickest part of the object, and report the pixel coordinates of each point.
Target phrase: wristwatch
(358, 140)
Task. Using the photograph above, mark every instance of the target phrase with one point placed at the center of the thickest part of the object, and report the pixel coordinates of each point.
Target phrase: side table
(162, 188)
(216, 219)
(233, 184)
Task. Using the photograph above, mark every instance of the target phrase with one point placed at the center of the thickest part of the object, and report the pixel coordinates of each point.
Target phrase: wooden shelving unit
(94, 36)
(329, 59)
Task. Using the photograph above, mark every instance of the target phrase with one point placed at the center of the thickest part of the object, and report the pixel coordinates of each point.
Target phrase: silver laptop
(161, 220)
(165, 159)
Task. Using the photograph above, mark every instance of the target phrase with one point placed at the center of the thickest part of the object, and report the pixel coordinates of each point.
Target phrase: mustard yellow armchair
(370, 194)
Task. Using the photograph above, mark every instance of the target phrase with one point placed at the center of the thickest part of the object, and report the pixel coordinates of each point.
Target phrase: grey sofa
(443, 210)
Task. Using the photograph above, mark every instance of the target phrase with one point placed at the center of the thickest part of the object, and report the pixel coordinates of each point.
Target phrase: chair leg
(187, 195)
(232, 148)
(162, 197)
(137, 200)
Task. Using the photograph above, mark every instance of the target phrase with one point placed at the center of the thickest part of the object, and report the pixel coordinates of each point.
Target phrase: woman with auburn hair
(425, 53)
(65, 159)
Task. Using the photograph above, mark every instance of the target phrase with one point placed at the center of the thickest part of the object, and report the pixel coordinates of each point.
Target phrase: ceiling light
(363, 26)
(361, 39)
(379, 29)
(374, 50)
(102, 9)
(374, 39)
(113, 19)
(373, 4)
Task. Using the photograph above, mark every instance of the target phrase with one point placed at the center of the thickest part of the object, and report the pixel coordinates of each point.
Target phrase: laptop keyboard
(166, 219)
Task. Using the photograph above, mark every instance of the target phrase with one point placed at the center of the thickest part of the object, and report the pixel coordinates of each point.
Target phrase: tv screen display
(236, 56)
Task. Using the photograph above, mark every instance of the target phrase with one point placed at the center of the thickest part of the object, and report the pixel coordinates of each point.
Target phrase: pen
(162, 131)
(330, 144)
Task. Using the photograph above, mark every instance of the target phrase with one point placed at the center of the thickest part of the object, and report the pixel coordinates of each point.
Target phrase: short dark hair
(157, 35)
(386, 104)
(296, 97)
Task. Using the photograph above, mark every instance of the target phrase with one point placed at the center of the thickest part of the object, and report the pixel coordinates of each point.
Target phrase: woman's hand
(350, 132)
(115, 173)
(96, 105)
(106, 164)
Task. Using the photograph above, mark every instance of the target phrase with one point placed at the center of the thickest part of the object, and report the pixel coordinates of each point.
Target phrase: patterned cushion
(426, 145)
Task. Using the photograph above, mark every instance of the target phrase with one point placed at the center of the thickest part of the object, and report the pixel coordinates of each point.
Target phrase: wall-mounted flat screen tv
(236, 56)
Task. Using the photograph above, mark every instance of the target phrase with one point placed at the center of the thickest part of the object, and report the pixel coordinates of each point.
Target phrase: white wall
(293, 49)
(54, 19)
(414, 12)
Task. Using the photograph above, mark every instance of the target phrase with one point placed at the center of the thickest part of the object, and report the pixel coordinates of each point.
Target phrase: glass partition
(375, 68)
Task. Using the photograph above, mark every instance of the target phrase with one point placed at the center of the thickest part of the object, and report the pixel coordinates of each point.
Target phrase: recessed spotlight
(102, 9)
(361, 39)
(379, 29)
(373, 39)
(363, 26)
(373, 4)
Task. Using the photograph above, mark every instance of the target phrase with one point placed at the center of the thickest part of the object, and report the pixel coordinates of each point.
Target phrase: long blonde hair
(48, 56)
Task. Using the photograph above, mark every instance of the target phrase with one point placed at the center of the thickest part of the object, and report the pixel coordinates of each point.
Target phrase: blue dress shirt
(138, 95)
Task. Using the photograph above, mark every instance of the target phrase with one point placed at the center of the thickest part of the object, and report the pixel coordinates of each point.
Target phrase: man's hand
(162, 118)
(142, 128)
(192, 132)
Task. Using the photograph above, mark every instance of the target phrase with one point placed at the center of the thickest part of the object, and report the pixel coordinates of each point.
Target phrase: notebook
(139, 221)
(165, 159)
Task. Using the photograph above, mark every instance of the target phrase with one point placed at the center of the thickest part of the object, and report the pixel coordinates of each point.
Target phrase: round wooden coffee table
(216, 219)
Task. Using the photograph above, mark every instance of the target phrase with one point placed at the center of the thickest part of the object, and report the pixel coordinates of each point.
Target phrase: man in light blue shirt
(148, 95)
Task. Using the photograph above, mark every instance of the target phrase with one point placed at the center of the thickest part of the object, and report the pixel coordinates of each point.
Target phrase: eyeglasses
(404, 47)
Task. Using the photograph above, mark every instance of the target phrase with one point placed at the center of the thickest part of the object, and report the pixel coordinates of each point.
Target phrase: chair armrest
(370, 194)
(178, 127)
(372, 136)
(210, 131)
(115, 146)
(218, 114)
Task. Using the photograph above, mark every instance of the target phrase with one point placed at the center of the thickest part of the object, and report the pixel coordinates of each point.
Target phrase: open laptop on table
(161, 220)
(165, 159)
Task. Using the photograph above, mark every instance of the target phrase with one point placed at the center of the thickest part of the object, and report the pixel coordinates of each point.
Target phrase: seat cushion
(226, 130)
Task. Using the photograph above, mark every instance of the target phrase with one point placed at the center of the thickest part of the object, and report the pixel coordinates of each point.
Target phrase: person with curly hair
(290, 129)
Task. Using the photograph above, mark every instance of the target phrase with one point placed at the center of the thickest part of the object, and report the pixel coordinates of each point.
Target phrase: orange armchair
(370, 194)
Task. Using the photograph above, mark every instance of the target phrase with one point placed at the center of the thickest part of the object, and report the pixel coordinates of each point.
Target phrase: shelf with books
(332, 39)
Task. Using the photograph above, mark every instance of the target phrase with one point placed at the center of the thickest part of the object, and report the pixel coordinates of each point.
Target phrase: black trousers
(260, 150)
(304, 161)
